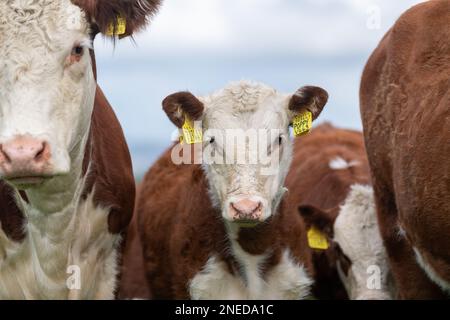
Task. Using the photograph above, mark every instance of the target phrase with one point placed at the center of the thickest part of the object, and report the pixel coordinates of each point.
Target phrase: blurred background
(201, 45)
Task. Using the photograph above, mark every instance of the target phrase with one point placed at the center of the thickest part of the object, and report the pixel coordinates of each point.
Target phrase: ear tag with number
(302, 123)
(316, 239)
(190, 133)
(118, 29)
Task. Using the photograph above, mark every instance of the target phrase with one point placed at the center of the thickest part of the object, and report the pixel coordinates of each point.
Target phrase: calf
(333, 186)
(405, 107)
(67, 186)
(223, 230)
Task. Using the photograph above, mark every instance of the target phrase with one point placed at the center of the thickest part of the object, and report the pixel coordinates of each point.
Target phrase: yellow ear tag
(302, 123)
(316, 239)
(117, 30)
(190, 134)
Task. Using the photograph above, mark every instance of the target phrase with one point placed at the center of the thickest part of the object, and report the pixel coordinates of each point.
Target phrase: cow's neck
(261, 241)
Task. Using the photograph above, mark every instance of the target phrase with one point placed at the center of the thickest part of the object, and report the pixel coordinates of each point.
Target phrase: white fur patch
(445, 285)
(339, 163)
(77, 236)
(356, 231)
(288, 280)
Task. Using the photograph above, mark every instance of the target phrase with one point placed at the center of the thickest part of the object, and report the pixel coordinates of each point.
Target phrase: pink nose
(246, 209)
(24, 156)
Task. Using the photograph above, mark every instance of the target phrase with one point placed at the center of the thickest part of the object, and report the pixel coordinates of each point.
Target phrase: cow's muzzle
(24, 160)
(246, 212)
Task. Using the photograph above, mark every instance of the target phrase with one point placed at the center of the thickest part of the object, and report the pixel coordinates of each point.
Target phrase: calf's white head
(356, 249)
(47, 84)
(247, 148)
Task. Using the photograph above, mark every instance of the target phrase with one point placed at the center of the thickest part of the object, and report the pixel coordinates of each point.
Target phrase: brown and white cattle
(224, 230)
(405, 106)
(67, 189)
(330, 177)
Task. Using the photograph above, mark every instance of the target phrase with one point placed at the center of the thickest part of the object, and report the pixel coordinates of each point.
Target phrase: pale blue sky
(201, 45)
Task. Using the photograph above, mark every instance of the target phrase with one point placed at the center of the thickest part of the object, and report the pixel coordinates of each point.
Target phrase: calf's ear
(128, 15)
(181, 104)
(308, 98)
(323, 220)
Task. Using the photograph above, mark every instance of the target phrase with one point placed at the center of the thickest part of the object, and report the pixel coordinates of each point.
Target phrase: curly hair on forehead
(102, 13)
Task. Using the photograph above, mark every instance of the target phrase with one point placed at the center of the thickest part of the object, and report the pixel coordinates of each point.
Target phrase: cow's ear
(308, 98)
(181, 104)
(323, 220)
(118, 17)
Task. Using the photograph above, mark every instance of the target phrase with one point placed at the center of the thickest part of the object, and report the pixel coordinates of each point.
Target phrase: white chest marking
(37, 268)
(287, 280)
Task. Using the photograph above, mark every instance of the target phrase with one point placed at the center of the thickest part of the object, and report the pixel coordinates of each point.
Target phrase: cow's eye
(212, 140)
(280, 140)
(77, 51)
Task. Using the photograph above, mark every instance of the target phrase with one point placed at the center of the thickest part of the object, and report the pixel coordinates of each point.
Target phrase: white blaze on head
(246, 145)
(356, 231)
(47, 87)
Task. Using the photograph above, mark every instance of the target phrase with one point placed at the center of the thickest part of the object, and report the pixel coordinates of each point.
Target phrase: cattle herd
(327, 214)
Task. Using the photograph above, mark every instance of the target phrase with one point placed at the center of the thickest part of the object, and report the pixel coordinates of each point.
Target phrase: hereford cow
(67, 189)
(224, 230)
(405, 106)
(330, 177)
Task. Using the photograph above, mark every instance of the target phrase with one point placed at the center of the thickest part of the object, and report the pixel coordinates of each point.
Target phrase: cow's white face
(247, 149)
(47, 88)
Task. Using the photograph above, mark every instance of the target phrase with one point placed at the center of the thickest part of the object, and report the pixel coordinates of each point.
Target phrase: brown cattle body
(405, 106)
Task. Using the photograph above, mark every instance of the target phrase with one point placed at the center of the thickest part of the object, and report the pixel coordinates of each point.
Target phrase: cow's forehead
(246, 105)
(49, 25)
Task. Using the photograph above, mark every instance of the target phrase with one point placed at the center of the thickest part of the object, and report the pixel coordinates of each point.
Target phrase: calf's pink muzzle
(246, 211)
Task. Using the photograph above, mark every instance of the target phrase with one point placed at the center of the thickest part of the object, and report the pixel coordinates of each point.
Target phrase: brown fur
(133, 283)
(102, 13)
(113, 180)
(405, 106)
(310, 98)
(178, 104)
(11, 217)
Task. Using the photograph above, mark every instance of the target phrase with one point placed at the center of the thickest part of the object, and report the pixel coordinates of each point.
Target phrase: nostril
(5, 155)
(41, 152)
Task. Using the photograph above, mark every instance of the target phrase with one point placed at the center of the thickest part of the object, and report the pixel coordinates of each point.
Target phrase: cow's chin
(27, 179)
(26, 182)
(245, 223)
